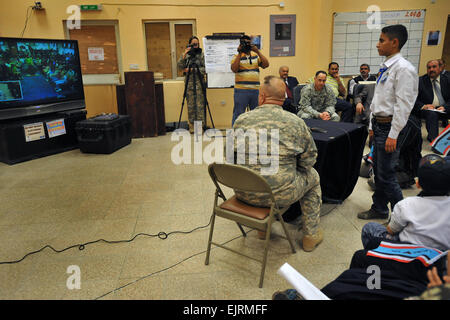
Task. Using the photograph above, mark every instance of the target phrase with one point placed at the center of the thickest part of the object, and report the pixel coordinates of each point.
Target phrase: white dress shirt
(395, 93)
(285, 93)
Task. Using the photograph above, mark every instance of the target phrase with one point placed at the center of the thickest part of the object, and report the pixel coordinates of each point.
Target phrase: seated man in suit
(365, 75)
(318, 100)
(291, 83)
(433, 98)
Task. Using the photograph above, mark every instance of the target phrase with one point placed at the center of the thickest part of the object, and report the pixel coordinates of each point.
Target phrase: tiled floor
(73, 198)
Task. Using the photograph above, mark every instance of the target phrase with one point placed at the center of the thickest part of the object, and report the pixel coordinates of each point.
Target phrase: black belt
(383, 119)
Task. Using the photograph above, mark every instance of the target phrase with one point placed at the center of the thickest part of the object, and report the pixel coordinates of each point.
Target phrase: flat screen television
(39, 76)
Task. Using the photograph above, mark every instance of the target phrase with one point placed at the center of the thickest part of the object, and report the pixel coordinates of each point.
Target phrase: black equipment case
(104, 133)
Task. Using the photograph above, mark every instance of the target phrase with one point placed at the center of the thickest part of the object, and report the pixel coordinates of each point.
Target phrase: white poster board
(218, 55)
(355, 36)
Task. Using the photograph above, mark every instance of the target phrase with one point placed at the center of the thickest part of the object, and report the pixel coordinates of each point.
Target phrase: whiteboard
(355, 36)
(218, 55)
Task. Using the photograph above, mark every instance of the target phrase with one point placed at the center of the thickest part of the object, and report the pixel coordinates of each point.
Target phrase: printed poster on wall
(56, 128)
(34, 131)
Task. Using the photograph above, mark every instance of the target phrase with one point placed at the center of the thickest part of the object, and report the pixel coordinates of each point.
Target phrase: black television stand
(14, 133)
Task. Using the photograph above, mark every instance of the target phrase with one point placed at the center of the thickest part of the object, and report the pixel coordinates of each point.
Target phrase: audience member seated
(336, 83)
(295, 178)
(423, 219)
(433, 96)
(291, 83)
(365, 75)
(318, 100)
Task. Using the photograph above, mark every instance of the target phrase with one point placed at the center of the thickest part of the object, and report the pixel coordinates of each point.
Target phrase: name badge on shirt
(384, 77)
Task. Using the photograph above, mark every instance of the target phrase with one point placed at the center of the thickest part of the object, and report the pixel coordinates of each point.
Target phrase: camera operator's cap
(434, 174)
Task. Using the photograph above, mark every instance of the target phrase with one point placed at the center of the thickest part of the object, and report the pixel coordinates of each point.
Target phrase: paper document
(306, 289)
(436, 110)
(367, 82)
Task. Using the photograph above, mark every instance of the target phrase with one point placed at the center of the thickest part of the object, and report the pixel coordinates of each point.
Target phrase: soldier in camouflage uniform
(295, 178)
(318, 100)
(191, 56)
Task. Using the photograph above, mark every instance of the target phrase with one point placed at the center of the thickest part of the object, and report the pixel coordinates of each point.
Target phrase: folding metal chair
(244, 179)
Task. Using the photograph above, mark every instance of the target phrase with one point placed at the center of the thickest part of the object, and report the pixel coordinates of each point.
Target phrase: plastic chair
(244, 179)
(357, 89)
(297, 94)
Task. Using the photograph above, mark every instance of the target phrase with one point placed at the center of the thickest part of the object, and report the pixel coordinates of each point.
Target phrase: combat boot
(310, 242)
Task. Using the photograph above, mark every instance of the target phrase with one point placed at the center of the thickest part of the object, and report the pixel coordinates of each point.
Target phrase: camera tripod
(194, 71)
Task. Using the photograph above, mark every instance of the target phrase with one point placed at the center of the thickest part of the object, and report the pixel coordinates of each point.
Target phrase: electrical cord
(161, 235)
(27, 16)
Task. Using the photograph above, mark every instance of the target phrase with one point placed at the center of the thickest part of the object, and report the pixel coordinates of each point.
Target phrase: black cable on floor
(161, 235)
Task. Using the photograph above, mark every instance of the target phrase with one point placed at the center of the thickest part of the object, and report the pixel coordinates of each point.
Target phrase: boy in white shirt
(394, 97)
(421, 220)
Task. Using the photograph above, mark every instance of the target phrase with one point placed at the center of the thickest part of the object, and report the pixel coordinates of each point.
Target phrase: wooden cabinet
(143, 101)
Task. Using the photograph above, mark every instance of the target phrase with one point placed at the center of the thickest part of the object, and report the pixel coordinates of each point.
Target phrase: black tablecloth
(340, 151)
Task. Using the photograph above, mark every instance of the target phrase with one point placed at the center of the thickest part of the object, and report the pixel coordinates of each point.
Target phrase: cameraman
(246, 65)
(192, 59)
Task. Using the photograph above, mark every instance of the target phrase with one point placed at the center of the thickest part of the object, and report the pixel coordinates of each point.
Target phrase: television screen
(38, 72)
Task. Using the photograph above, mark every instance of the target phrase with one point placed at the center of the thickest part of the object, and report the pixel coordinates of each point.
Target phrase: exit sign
(90, 7)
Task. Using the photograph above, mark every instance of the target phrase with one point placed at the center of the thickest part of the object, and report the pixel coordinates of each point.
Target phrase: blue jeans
(432, 122)
(242, 99)
(387, 189)
(373, 233)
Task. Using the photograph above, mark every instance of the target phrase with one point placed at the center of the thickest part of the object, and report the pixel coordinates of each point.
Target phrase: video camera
(245, 46)
(194, 50)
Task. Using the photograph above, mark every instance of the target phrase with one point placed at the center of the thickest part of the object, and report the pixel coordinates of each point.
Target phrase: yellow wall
(313, 35)
(99, 99)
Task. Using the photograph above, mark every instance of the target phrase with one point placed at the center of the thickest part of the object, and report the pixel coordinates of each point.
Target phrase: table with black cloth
(340, 150)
